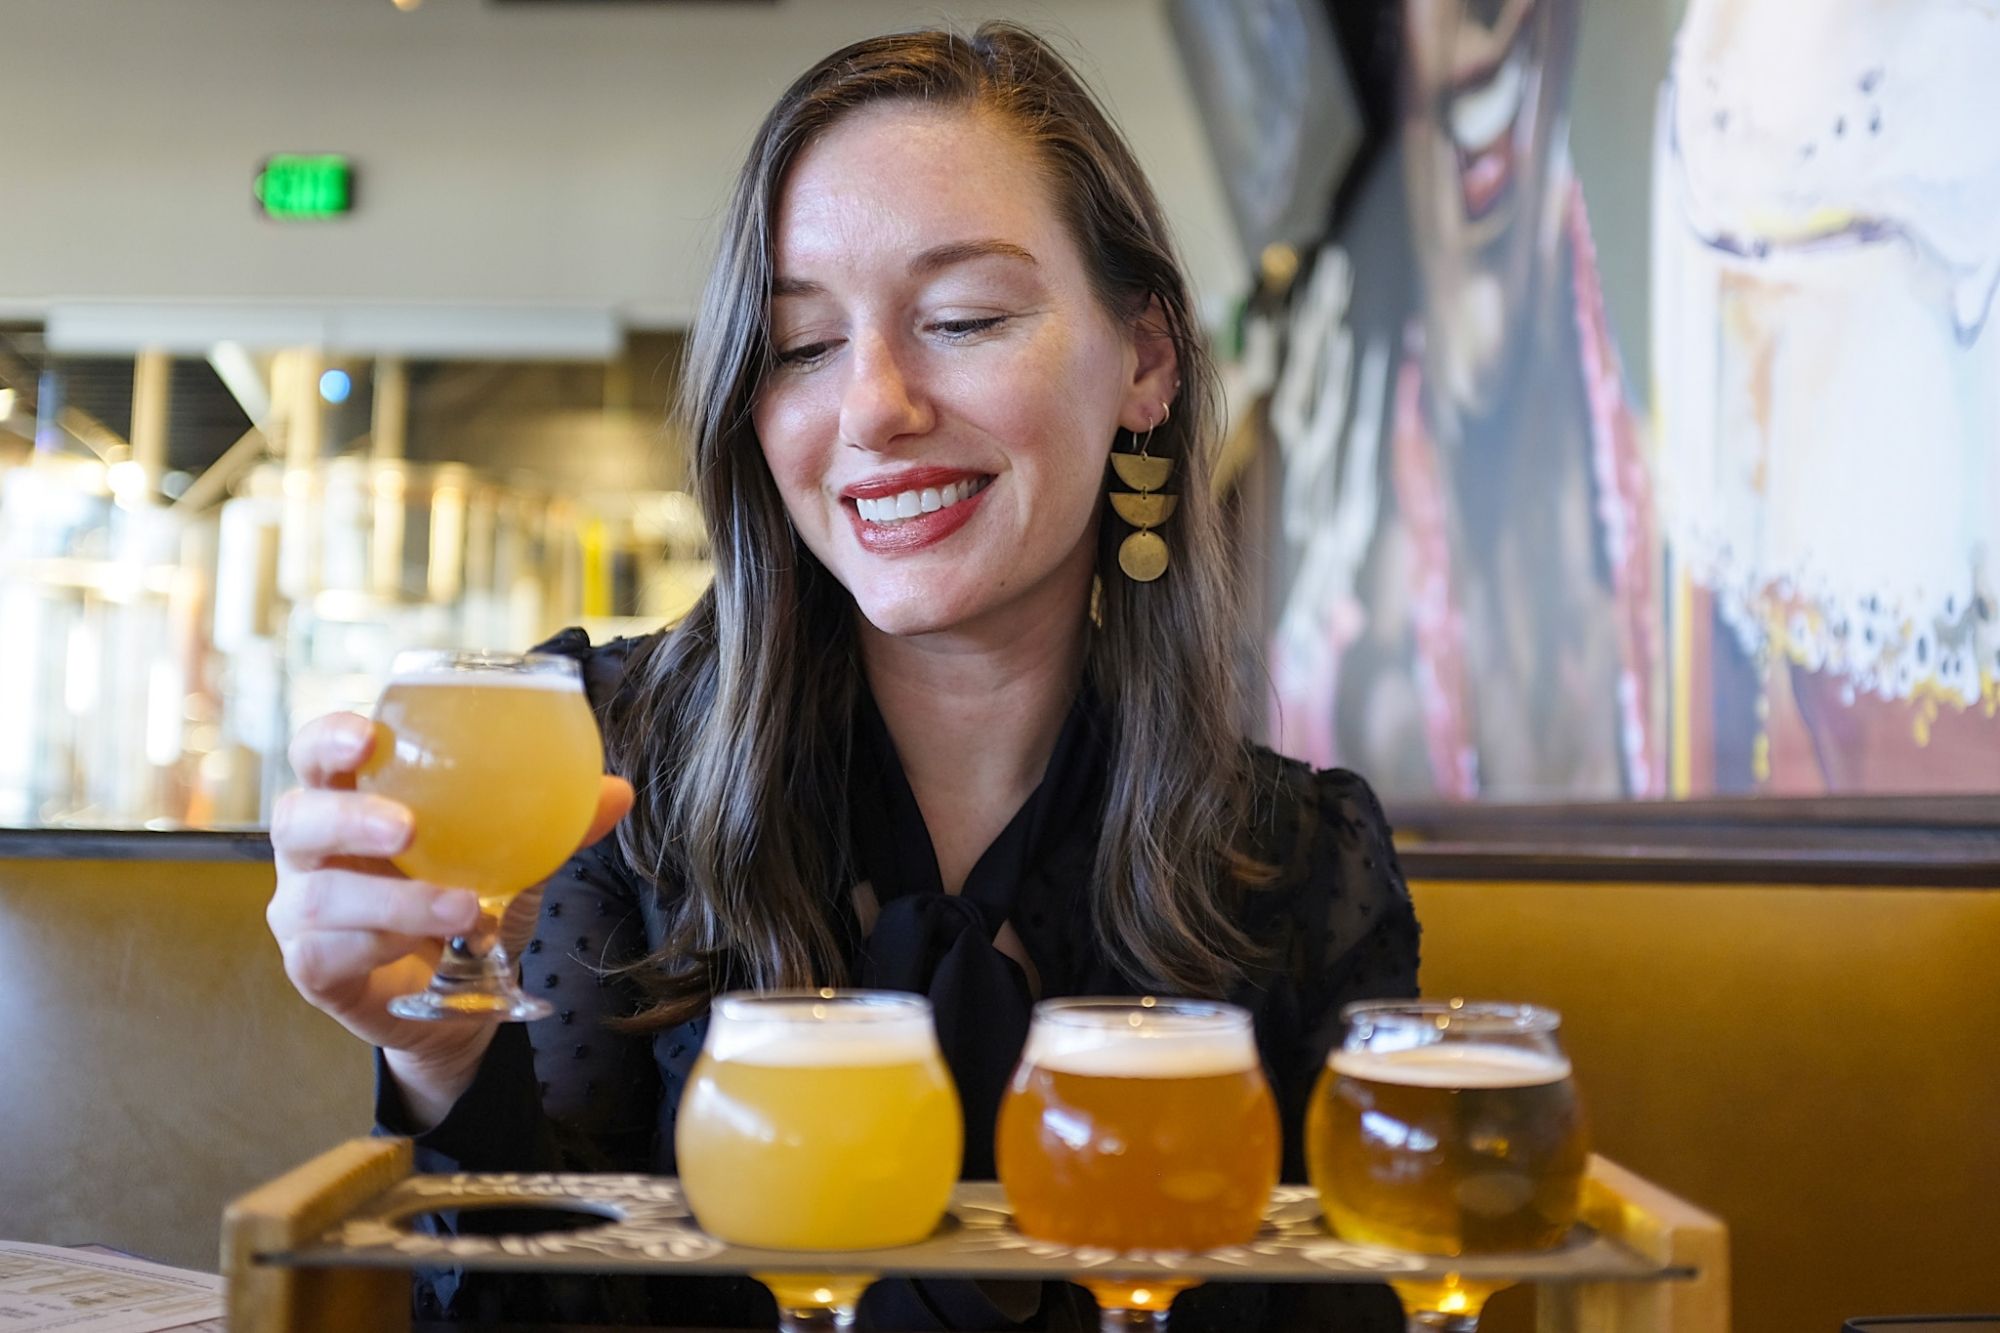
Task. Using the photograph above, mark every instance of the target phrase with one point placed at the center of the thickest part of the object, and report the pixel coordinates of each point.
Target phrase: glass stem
(815, 1319)
(1122, 1321)
(474, 960)
(1432, 1321)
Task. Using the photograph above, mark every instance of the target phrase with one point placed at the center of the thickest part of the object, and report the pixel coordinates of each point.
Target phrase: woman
(923, 732)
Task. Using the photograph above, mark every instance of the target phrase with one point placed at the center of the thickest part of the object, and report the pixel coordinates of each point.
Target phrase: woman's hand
(356, 932)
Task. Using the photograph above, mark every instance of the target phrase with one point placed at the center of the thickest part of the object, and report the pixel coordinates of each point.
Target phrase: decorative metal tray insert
(646, 1227)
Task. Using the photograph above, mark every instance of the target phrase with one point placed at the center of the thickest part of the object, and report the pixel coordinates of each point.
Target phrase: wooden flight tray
(646, 1228)
(328, 1245)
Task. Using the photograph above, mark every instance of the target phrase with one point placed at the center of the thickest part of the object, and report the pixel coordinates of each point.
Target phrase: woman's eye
(965, 328)
(804, 354)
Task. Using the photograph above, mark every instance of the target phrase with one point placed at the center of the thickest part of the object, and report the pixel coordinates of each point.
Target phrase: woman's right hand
(355, 931)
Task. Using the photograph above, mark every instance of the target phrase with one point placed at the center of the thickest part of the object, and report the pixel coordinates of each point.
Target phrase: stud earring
(1143, 555)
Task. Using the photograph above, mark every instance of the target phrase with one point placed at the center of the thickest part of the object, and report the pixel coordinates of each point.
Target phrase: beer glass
(497, 757)
(1138, 1125)
(819, 1120)
(1448, 1128)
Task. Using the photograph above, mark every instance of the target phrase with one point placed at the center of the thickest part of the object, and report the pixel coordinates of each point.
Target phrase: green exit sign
(295, 186)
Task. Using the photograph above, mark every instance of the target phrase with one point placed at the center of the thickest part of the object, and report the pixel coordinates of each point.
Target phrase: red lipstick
(918, 531)
(911, 479)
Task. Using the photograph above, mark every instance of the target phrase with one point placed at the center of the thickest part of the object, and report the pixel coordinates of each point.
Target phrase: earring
(1143, 555)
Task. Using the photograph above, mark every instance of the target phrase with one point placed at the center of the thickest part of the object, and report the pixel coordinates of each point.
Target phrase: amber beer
(819, 1121)
(498, 766)
(1139, 1125)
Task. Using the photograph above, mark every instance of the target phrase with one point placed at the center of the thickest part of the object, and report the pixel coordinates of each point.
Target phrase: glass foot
(1449, 1305)
(815, 1302)
(1124, 1304)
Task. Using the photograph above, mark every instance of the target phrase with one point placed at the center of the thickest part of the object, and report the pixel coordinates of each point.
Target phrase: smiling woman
(941, 264)
(923, 733)
(936, 330)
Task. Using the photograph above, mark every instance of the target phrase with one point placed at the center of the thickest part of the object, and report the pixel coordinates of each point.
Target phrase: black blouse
(568, 1093)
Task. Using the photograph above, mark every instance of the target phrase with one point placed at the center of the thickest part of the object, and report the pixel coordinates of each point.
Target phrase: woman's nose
(882, 400)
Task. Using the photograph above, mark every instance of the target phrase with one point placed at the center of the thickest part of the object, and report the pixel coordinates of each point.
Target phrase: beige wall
(1814, 1064)
(513, 154)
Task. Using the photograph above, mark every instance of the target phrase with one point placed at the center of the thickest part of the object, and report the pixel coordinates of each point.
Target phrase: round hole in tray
(512, 1218)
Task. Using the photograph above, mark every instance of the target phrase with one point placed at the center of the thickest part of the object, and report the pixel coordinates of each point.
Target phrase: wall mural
(1509, 563)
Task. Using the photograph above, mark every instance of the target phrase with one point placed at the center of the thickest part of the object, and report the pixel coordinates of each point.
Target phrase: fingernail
(455, 908)
(389, 828)
(349, 743)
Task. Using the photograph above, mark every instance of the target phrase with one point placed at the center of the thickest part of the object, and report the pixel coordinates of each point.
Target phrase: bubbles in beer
(1132, 1127)
(1158, 1049)
(791, 1035)
(1448, 1148)
(486, 680)
(1460, 1065)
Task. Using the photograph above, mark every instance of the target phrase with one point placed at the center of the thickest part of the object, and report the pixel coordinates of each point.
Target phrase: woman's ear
(1156, 373)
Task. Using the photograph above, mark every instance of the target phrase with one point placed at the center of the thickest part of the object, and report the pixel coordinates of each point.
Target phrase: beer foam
(486, 680)
(1144, 1052)
(1454, 1065)
(797, 1041)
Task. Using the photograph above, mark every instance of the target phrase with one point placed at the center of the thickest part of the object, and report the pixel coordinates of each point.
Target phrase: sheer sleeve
(1370, 943)
(1335, 924)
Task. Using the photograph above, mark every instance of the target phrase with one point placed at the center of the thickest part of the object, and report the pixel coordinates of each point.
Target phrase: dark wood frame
(1937, 842)
(1940, 841)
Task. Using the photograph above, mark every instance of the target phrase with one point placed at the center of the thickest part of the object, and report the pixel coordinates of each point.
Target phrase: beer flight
(827, 1120)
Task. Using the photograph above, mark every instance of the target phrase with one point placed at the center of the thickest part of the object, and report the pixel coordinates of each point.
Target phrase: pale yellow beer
(499, 769)
(1448, 1130)
(1137, 1126)
(820, 1121)
(1454, 1150)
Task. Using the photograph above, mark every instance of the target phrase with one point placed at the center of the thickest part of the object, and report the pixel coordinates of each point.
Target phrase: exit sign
(305, 186)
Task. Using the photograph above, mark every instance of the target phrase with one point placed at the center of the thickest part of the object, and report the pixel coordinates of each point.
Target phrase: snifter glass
(1448, 1128)
(819, 1120)
(498, 759)
(1138, 1125)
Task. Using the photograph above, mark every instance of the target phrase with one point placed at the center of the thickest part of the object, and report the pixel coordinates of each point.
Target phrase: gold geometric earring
(1143, 555)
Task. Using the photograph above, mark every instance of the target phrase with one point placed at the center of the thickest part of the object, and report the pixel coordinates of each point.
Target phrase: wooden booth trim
(1932, 842)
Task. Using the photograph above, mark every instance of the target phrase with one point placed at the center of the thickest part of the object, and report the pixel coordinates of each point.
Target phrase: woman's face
(948, 385)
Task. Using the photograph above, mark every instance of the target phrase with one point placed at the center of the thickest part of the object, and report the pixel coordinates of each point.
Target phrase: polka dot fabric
(573, 1092)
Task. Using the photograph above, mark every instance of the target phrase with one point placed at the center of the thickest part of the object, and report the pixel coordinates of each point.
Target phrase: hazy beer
(819, 1121)
(499, 768)
(1139, 1125)
(497, 757)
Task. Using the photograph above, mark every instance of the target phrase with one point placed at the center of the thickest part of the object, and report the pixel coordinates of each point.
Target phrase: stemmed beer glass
(498, 759)
(819, 1120)
(1448, 1128)
(1138, 1125)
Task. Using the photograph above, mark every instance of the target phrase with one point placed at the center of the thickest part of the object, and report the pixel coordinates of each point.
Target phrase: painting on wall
(1703, 503)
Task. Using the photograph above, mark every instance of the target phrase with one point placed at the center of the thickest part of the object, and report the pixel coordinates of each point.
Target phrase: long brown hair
(735, 727)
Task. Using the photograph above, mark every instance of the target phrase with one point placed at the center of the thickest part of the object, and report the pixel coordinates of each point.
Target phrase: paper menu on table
(45, 1288)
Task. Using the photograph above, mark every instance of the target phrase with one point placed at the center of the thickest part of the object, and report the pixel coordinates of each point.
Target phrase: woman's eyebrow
(958, 252)
(931, 261)
(794, 287)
